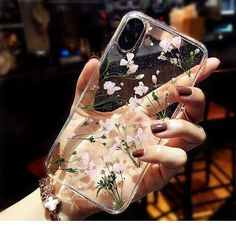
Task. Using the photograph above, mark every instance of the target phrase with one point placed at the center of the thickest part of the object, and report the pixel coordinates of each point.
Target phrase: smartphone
(132, 86)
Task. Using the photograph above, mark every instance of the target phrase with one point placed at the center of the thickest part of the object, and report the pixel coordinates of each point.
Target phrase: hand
(178, 135)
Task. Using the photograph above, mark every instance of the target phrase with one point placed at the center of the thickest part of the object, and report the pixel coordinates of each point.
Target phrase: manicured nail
(184, 91)
(93, 57)
(158, 128)
(138, 153)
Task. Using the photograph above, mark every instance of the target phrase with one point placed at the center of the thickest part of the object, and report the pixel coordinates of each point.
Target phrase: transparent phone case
(128, 91)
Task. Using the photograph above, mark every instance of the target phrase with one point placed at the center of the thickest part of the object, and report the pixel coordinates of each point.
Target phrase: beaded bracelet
(49, 200)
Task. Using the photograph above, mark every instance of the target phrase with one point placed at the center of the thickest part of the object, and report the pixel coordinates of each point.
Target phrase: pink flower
(134, 103)
(119, 167)
(116, 144)
(111, 87)
(166, 45)
(91, 168)
(141, 89)
(90, 165)
(108, 125)
(176, 42)
(85, 159)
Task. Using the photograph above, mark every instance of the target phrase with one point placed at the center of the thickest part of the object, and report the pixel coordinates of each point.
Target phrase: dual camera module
(131, 34)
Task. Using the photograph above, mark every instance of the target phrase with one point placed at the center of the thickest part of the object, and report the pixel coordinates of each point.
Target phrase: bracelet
(49, 200)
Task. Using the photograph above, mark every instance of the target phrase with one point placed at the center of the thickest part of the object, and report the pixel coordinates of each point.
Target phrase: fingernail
(184, 91)
(159, 127)
(138, 153)
(93, 57)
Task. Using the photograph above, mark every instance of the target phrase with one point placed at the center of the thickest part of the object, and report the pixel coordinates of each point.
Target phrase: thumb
(90, 73)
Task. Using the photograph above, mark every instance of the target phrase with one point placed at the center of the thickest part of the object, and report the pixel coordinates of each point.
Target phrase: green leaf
(86, 123)
(59, 160)
(99, 189)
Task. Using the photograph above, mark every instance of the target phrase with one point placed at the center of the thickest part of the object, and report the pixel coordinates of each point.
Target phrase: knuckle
(181, 157)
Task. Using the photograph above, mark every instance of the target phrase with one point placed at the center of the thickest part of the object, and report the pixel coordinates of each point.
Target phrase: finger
(191, 134)
(170, 157)
(194, 103)
(208, 69)
(166, 93)
(91, 69)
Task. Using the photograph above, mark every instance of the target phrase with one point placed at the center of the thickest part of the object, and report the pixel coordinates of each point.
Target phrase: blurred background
(44, 44)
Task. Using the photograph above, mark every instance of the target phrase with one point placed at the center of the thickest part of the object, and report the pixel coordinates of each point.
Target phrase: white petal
(123, 62)
(129, 56)
(196, 51)
(132, 69)
(157, 72)
(139, 77)
(116, 88)
(110, 91)
(154, 79)
(176, 41)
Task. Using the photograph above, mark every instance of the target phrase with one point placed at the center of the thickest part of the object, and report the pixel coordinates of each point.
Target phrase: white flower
(154, 79)
(150, 28)
(176, 41)
(116, 144)
(141, 89)
(134, 103)
(139, 77)
(132, 69)
(119, 167)
(196, 51)
(162, 56)
(173, 61)
(138, 136)
(109, 125)
(129, 63)
(111, 87)
(166, 45)
(51, 203)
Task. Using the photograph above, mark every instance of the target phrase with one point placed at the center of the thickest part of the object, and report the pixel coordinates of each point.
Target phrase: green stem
(156, 111)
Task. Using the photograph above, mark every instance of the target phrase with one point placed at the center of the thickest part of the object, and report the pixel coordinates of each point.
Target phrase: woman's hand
(178, 136)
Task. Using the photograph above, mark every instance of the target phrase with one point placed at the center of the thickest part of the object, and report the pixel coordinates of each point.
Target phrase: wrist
(72, 206)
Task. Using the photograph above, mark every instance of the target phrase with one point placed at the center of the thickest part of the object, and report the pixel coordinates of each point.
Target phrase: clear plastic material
(128, 91)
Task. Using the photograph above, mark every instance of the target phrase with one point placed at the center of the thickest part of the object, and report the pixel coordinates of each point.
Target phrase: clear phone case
(128, 91)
